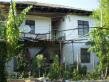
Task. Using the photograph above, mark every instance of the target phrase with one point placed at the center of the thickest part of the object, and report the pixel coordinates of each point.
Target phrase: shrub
(80, 73)
(71, 71)
(66, 74)
(93, 75)
(76, 75)
(83, 70)
(55, 69)
(37, 64)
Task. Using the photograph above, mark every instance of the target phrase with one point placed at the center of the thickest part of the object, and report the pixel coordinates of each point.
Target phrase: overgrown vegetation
(39, 60)
(12, 28)
(10, 46)
(2, 49)
(2, 61)
(55, 69)
(22, 65)
(10, 35)
(58, 71)
(100, 38)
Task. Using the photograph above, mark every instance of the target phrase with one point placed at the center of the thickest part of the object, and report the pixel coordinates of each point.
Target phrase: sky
(83, 4)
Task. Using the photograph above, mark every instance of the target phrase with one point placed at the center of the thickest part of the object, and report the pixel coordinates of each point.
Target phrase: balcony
(45, 36)
(51, 36)
(56, 35)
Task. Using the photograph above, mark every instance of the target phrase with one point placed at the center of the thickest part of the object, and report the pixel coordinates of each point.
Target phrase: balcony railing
(44, 36)
(35, 36)
(56, 34)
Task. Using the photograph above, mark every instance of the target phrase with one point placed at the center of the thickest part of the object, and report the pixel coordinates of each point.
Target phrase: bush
(76, 75)
(80, 73)
(38, 65)
(93, 75)
(83, 70)
(66, 73)
(71, 71)
(55, 69)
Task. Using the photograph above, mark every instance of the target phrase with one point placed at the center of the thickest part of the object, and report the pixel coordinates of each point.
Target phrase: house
(55, 29)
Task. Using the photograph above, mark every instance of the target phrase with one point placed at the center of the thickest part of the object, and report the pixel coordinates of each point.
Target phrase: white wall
(42, 24)
(61, 26)
(71, 52)
(77, 49)
(71, 22)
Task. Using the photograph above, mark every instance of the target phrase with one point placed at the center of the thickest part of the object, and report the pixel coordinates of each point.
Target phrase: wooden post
(60, 46)
(93, 60)
(77, 61)
(72, 51)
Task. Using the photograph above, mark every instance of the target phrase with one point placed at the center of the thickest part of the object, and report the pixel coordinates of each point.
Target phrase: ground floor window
(85, 55)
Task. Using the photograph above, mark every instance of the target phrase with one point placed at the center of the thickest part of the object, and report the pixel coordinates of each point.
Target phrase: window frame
(84, 27)
(85, 58)
(32, 30)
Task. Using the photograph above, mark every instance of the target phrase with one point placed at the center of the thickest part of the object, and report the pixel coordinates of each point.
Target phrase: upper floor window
(85, 55)
(83, 27)
(31, 24)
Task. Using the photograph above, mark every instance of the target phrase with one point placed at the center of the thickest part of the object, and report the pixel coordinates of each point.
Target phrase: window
(85, 55)
(31, 23)
(83, 27)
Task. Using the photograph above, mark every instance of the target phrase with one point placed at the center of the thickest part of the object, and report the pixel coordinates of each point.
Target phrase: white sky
(83, 4)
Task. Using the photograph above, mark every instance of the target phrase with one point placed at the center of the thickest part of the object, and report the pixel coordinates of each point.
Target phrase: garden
(56, 72)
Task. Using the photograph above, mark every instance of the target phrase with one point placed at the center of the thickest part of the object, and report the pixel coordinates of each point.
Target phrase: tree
(12, 28)
(55, 69)
(2, 24)
(9, 44)
(2, 49)
(39, 60)
(100, 37)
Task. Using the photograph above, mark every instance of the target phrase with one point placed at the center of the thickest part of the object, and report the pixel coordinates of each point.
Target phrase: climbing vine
(10, 36)
(12, 31)
(100, 37)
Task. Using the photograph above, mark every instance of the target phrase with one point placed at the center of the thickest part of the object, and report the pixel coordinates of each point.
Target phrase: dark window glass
(83, 27)
(31, 23)
(85, 55)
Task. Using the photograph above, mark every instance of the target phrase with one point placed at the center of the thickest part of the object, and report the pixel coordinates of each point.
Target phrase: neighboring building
(53, 29)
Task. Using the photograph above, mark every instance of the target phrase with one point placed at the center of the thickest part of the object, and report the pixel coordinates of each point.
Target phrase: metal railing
(54, 34)
(35, 36)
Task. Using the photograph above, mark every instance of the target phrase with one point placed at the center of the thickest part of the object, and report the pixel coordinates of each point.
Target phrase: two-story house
(55, 29)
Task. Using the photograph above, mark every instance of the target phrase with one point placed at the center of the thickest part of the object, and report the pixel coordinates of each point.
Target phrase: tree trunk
(2, 62)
